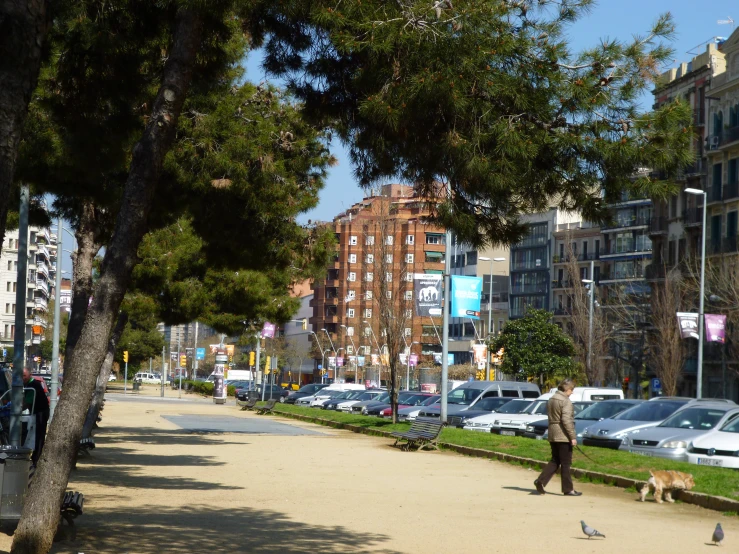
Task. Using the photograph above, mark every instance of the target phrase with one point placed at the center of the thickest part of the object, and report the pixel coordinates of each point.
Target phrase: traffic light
(305, 324)
(480, 375)
(125, 356)
(252, 359)
(183, 360)
(230, 358)
(625, 385)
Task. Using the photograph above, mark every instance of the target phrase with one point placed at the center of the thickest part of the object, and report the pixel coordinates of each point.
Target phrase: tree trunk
(23, 26)
(88, 246)
(102, 381)
(41, 509)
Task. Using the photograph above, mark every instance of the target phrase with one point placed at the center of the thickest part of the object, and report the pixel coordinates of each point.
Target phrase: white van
(591, 394)
(149, 378)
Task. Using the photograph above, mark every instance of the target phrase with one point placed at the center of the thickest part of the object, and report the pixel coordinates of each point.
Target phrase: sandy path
(152, 487)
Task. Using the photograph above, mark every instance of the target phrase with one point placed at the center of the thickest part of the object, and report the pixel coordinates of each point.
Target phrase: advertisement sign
(688, 322)
(385, 359)
(403, 359)
(437, 358)
(367, 383)
(339, 361)
(715, 328)
(200, 353)
(229, 349)
(332, 362)
(219, 390)
(268, 330)
(413, 362)
(375, 359)
(427, 294)
(353, 360)
(428, 387)
(480, 354)
(360, 361)
(214, 348)
(450, 359)
(466, 296)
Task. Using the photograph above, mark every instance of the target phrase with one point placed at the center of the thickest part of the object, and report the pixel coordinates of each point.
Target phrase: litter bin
(136, 385)
(15, 463)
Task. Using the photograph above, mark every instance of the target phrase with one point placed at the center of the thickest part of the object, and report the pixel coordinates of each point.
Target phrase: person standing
(562, 438)
(38, 405)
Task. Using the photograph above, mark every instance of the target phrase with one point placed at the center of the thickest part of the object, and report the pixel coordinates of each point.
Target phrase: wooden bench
(267, 408)
(248, 405)
(424, 433)
(86, 445)
(71, 509)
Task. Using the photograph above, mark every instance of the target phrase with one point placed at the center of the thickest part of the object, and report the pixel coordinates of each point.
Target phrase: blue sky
(614, 19)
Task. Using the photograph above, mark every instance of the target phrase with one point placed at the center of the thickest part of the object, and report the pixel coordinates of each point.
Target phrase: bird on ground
(718, 535)
(589, 531)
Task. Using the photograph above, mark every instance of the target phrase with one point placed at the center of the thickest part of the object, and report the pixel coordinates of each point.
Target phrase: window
(409, 295)
(14, 286)
(7, 307)
(389, 240)
(369, 241)
(409, 258)
(367, 333)
(409, 313)
(7, 331)
(409, 276)
(350, 331)
(409, 239)
(13, 308)
(434, 238)
(388, 258)
(368, 313)
(368, 295)
(389, 277)
(7, 287)
(407, 331)
(370, 259)
(471, 258)
(10, 265)
(352, 277)
(369, 277)
(352, 258)
(350, 313)
(353, 240)
(389, 294)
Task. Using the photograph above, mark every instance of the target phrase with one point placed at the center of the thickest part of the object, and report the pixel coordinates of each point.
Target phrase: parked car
(149, 378)
(670, 438)
(612, 432)
(377, 409)
(484, 423)
(270, 391)
(415, 399)
(410, 413)
(485, 406)
(305, 390)
(320, 395)
(594, 394)
(334, 402)
(518, 422)
(594, 412)
(467, 395)
(239, 385)
(112, 377)
(718, 447)
(361, 407)
(358, 396)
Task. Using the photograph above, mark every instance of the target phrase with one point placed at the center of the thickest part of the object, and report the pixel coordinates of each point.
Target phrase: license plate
(643, 453)
(539, 437)
(508, 433)
(710, 462)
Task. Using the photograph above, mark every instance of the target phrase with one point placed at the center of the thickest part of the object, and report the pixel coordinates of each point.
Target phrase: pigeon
(718, 535)
(590, 532)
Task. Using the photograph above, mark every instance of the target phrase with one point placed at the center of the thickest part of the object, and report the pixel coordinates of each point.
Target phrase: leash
(580, 450)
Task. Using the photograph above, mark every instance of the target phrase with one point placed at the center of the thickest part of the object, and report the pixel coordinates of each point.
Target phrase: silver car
(670, 438)
(612, 432)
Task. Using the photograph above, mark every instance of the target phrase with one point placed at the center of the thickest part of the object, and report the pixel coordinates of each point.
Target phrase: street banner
(214, 348)
(200, 353)
(403, 359)
(413, 362)
(466, 296)
(450, 359)
(427, 294)
(480, 354)
(688, 323)
(715, 328)
(375, 359)
(437, 358)
(219, 390)
(229, 349)
(268, 330)
(385, 359)
(360, 361)
(339, 361)
(352, 361)
(332, 362)
(173, 356)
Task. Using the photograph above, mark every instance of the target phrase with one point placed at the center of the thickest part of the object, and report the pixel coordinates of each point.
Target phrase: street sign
(200, 354)
(320, 366)
(656, 384)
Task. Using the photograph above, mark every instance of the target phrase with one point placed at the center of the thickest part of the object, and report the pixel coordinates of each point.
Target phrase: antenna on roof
(727, 21)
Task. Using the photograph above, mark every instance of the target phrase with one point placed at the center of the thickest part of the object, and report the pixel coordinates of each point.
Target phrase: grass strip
(713, 481)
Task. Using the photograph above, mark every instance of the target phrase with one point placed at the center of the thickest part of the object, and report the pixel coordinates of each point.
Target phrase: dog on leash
(664, 482)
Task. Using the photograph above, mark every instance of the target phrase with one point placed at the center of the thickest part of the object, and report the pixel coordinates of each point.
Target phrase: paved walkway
(165, 478)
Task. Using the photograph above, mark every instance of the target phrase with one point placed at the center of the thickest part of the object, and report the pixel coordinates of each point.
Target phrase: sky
(613, 19)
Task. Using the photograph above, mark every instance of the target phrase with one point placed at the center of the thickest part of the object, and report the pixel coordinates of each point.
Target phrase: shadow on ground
(150, 435)
(203, 529)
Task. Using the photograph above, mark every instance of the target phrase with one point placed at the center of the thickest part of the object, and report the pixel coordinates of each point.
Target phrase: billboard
(466, 296)
(427, 294)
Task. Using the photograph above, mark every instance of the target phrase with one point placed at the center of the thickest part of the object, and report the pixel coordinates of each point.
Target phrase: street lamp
(408, 362)
(334, 350)
(490, 309)
(354, 349)
(379, 351)
(591, 291)
(699, 373)
(320, 347)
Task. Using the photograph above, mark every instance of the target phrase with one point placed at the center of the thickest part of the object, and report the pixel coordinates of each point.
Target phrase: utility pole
(164, 372)
(19, 338)
(57, 320)
(195, 351)
(445, 328)
(590, 322)
(179, 367)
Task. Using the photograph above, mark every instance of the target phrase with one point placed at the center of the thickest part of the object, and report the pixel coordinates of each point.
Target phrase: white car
(346, 405)
(508, 424)
(149, 378)
(112, 377)
(484, 423)
(719, 447)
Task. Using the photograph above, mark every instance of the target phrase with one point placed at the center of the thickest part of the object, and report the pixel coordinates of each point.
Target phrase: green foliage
(534, 347)
(206, 388)
(485, 96)
(45, 349)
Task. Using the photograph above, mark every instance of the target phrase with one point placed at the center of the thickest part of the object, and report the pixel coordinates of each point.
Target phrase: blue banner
(466, 296)
(200, 353)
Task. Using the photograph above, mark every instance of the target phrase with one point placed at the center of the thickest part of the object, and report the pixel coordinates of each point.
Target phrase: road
(166, 478)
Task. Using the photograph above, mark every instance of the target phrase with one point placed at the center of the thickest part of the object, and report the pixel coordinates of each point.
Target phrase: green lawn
(709, 480)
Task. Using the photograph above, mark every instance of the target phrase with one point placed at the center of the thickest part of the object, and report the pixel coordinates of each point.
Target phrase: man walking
(562, 437)
(38, 405)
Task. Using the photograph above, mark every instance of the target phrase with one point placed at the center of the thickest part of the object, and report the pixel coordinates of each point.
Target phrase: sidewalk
(151, 486)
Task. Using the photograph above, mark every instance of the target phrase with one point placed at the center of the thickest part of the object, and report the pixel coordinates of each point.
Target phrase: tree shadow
(157, 529)
(151, 435)
(132, 477)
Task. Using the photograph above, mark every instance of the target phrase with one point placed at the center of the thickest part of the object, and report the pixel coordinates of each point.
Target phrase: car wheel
(282, 399)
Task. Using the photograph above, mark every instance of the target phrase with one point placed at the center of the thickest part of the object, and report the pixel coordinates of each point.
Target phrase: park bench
(424, 433)
(248, 405)
(86, 445)
(72, 508)
(267, 408)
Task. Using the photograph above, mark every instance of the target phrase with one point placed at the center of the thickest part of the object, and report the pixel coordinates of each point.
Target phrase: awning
(434, 272)
(434, 255)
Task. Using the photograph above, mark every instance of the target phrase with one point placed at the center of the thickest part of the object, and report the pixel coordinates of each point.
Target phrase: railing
(533, 241)
(563, 284)
(715, 193)
(41, 302)
(633, 250)
(39, 321)
(529, 264)
(723, 138)
(619, 275)
(693, 216)
(42, 285)
(525, 289)
(562, 311)
(635, 221)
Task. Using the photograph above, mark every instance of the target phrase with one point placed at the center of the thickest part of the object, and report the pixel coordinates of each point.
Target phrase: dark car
(239, 385)
(483, 407)
(305, 390)
(376, 409)
(270, 391)
(332, 402)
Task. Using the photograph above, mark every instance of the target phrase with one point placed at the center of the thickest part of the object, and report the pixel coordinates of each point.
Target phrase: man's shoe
(539, 487)
(573, 493)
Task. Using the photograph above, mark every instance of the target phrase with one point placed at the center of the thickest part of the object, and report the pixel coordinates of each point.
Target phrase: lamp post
(699, 372)
(408, 362)
(320, 347)
(379, 350)
(334, 351)
(591, 290)
(490, 309)
(354, 350)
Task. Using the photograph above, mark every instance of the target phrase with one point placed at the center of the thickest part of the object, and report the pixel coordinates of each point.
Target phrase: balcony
(658, 225)
(716, 142)
(728, 245)
(563, 284)
(42, 286)
(41, 303)
(529, 264)
(529, 289)
(629, 275)
(693, 216)
(731, 190)
(42, 268)
(655, 272)
(43, 251)
(39, 321)
(715, 193)
(626, 222)
(562, 311)
(639, 250)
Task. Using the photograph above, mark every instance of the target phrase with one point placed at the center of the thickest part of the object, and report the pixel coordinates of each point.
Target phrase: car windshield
(731, 426)
(384, 397)
(463, 397)
(431, 400)
(344, 395)
(363, 395)
(650, 411)
(694, 418)
(491, 404)
(309, 388)
(536, 407)
(603, 410)
(515, 406)
(580, 406)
